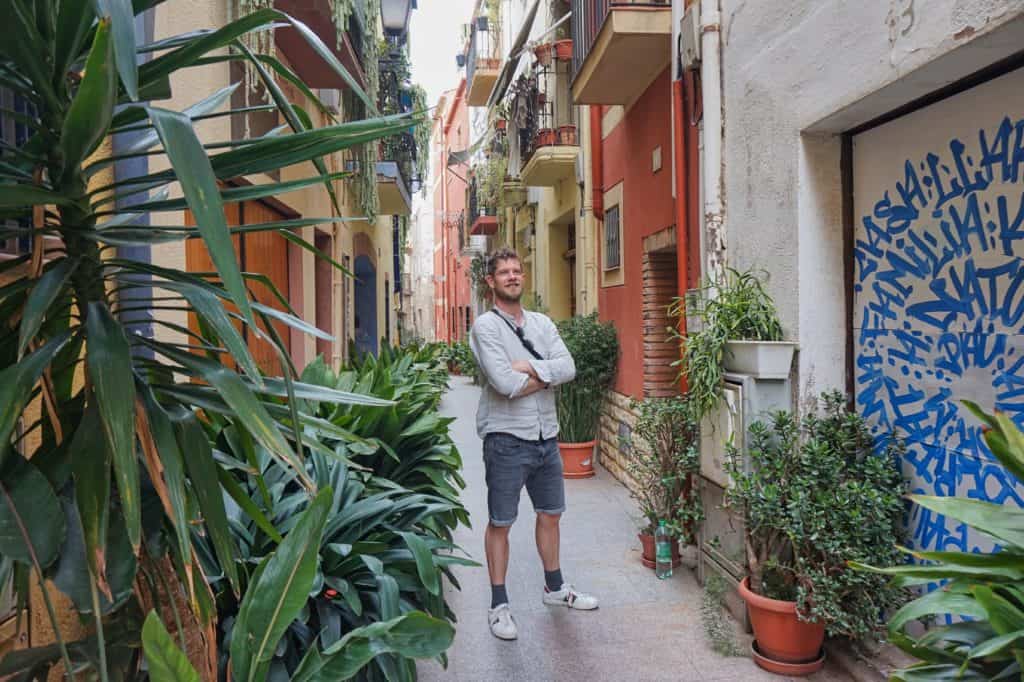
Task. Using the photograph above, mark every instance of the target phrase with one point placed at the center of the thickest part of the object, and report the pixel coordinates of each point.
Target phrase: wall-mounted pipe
(711, 93)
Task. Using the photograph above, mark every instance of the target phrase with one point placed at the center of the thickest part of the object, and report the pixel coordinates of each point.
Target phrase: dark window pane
(612, 247)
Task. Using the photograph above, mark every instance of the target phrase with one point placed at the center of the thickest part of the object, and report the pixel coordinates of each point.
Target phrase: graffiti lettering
(940, 300)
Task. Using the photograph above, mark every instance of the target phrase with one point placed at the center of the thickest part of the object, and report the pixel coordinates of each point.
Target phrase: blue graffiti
(939, 287)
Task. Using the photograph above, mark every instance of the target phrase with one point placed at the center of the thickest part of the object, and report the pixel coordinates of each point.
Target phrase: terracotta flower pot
(567, 135)
(563, 50)
(543, 53)
(781, 636)
(647, 553)
(500, 124)
(545, 137)
(577, 459)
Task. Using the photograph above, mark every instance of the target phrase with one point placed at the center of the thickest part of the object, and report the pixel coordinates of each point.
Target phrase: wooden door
(266, 253)
(263, 253)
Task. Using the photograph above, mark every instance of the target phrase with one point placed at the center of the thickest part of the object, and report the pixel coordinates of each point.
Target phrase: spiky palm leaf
(118, 463)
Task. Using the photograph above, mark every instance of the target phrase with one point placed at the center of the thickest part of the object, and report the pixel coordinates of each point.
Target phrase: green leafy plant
(478, 277)
(812, 497)
(115, 485)
(461, 360)
(386, 545)
(739, 308)
(661, 458)
(281, 584)
(594, 347)
(985, 590)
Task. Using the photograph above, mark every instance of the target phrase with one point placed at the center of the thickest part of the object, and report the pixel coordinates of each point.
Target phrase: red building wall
(451, 268)
(648, 207)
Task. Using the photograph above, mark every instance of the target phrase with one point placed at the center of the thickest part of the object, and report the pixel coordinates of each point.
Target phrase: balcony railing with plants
(398, 95)
(587, 19)
(541, 114)
(484, 49)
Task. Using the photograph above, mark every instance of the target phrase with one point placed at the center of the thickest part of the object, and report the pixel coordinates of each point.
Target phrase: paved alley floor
(646, 629)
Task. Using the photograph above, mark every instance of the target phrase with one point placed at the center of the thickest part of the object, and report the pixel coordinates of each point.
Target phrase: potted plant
(567, 135)
(661, 458)
(595, 350)
(739, 330)
(543, 52)
(545, 138)
(563, 50)
(814, 496)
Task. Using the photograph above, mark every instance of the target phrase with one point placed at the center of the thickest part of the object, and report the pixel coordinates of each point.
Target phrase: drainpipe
(597, 159)
(711, 82)
(682, 201)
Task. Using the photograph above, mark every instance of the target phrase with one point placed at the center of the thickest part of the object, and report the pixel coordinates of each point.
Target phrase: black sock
(498, 595)
(553, 579)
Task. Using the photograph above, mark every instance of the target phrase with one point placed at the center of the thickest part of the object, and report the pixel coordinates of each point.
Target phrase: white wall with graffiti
(939, 292)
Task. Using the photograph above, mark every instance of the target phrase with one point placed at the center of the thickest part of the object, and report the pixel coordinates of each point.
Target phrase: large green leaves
(16, 384)
(122, 18)
(193, 170)
(165, 660)
(31, 520)
(414, 635)
(93, 106)
(90, 465)
(1002, 522)
(109, 362)
(41, 298)
(278, 594)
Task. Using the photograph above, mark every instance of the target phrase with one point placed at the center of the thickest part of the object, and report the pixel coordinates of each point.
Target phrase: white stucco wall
(795, 75)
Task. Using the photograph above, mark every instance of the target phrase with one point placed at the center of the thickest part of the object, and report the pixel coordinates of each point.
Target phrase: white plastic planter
(759, 359)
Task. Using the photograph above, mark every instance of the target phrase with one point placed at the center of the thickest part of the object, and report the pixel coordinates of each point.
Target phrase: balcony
(347, 47)
(481, 217)
(548, 144)
(392, 189)
(619, 48)
(483, 61)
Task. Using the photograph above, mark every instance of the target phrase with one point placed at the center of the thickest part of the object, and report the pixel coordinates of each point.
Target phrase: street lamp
(394, 14)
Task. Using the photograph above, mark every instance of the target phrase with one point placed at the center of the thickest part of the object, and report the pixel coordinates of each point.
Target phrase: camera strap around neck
(518, 331)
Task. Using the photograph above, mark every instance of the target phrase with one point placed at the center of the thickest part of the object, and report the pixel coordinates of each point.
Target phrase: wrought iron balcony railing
(484, 49)
(587, 19)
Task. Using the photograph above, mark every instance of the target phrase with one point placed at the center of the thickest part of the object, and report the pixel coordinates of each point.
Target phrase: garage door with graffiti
(939, 292)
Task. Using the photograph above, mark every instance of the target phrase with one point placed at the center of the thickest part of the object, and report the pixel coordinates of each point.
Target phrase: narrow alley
(645, 629)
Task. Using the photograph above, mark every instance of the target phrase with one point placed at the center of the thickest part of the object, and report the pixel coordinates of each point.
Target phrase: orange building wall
(451, 268)
(648, 208)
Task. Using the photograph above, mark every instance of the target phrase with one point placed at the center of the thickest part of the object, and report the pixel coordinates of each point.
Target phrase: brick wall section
(617, 420)
(660, 285)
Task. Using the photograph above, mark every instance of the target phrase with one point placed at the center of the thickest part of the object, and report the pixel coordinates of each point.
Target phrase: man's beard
(507, 298)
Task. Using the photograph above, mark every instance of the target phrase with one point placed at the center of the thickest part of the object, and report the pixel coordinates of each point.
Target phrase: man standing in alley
(522, 358)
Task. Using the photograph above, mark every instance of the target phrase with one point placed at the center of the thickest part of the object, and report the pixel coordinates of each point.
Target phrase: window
(14, 133)
(612, 243)
(613, 257)
(469, 322)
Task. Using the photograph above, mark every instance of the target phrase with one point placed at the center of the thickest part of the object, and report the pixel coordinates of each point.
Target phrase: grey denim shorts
(509, 464)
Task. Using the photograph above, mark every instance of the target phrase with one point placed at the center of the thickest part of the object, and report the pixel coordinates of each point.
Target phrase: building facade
(883, 194)
(360, 307)
(453, 305)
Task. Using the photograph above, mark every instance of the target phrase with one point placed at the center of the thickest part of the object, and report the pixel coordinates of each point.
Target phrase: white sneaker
(569, 596)
(503, 625)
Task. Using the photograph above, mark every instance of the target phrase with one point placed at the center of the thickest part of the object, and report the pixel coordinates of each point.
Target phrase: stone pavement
(646, 629)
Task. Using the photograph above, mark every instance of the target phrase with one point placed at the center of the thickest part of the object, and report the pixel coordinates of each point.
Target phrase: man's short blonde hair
(504, 253)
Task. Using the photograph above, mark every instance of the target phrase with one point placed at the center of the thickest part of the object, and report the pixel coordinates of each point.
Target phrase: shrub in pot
(594, 347)
(985, 590)
(814, 496)
(661, 458)
(736, 309)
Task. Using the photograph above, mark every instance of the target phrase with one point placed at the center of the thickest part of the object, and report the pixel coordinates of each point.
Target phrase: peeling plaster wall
(795, 74)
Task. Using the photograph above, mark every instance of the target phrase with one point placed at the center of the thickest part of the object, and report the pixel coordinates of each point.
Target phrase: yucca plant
(983, 592)
(120, 479)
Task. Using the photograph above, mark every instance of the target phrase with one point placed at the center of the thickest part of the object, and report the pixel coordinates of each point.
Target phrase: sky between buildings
(435, 34)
